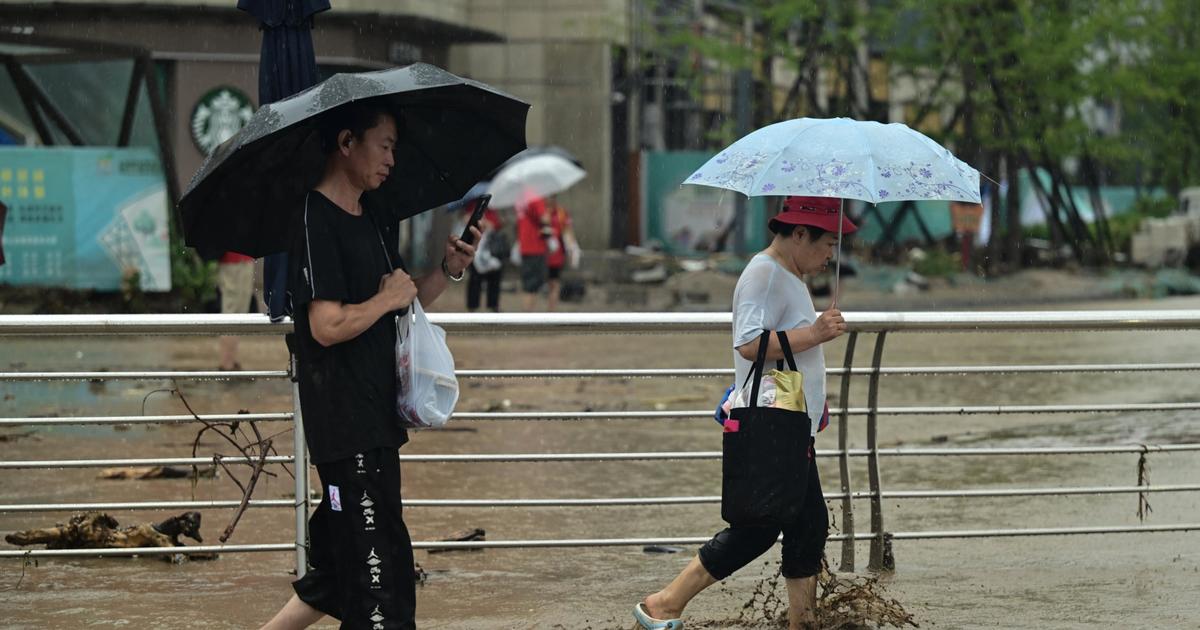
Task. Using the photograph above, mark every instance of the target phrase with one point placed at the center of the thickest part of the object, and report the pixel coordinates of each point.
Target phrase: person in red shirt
(562, 250)
(533, 232)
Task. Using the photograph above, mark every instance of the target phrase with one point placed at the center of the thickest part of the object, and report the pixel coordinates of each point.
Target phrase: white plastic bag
(484, 261)
(766, 394)
(426, 388)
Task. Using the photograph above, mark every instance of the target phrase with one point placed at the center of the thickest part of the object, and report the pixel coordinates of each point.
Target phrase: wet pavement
(1115, 580)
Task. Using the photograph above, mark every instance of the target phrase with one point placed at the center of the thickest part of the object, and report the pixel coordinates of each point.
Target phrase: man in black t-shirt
(348, 283)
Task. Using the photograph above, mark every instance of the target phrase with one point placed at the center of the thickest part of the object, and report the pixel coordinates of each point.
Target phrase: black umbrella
(286, 65)
(453, 131)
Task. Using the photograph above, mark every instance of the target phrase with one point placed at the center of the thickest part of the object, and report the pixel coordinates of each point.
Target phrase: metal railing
(880, 324)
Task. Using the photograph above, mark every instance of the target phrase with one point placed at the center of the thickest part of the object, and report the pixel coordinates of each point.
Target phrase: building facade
(556, 54)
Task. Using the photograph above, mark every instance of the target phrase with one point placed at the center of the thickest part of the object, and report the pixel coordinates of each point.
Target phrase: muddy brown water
(1115, 580)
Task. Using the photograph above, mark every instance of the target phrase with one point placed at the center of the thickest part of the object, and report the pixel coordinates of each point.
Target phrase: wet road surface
(1117, 580)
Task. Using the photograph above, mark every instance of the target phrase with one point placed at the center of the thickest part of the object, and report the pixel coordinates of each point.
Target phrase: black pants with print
(359, 550)
(803, 541)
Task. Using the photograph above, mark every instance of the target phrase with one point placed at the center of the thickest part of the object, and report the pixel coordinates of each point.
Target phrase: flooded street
(1110, 580)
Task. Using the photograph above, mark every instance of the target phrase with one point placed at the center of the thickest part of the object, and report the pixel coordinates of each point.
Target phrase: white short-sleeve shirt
(769, 297)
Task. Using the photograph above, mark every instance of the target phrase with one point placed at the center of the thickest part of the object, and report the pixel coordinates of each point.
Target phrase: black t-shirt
(347, 390)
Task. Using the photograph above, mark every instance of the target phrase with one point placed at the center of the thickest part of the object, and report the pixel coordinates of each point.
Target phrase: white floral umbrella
(840, 157)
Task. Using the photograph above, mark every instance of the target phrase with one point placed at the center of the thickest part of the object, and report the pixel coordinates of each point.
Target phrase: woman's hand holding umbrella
(830, 325)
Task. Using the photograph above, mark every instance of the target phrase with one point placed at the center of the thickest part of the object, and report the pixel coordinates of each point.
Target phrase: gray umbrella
(453, 131)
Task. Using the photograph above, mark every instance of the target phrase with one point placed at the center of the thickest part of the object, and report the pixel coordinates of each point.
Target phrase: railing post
(876, 561)
(300, 467)
(847, 565)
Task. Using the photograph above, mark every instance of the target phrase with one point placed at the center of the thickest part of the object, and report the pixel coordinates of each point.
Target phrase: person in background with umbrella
(771, 295)
(348, 281)
(565, 249)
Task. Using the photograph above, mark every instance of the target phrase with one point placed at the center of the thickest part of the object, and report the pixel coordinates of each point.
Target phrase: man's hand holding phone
(471, 236)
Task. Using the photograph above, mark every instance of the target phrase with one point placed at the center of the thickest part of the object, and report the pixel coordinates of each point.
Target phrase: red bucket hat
(820, 212)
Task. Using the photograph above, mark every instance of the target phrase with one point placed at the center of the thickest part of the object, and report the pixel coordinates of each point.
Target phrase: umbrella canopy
(482, 186)
(453, 131)
(539, 175)
(550, 149)
(840, 157)
(475, 191)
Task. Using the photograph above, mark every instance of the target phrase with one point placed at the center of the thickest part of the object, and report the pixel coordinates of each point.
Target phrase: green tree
(1089, 94)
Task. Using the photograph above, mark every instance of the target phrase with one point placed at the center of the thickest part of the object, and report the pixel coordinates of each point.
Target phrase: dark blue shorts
(533, 273)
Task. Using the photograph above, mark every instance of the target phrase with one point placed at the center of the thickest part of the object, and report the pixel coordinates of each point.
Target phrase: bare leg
(294, 615)
(530, 301)
(670, 602)
(552, 298)
(228, 346)
(802, 603)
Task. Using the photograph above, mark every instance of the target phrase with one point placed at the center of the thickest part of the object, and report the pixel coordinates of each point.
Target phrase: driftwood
(419, 574)
(156, 472)
(462, 535)
(98, 530)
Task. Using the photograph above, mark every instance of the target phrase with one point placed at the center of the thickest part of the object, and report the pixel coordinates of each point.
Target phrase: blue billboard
(84, 218)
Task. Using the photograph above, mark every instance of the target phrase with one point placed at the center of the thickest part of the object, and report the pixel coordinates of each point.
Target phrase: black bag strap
(756, 370)
(787, 351)
(379, 233)
(387, 256)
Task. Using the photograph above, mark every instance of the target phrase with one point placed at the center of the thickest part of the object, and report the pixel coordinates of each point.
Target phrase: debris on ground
(13, 437)
(844, 602)
(462, 535)
(661, 549)
(420, 576)
(98, 530)
(156, 472)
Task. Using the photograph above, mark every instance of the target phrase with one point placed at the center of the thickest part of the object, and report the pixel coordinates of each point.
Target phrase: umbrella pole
(837, 270)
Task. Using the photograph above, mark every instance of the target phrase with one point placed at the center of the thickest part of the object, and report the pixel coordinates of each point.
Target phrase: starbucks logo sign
(218, 115)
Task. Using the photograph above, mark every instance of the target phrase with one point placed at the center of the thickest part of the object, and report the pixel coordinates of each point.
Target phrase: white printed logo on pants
(368, 507)
(376, 619)
(374, 570)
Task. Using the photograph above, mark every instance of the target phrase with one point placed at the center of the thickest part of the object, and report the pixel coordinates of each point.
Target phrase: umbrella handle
(837, 271)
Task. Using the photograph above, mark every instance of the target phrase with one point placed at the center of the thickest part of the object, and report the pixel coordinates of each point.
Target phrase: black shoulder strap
(787, 350)
(756, 370)
(378, 232)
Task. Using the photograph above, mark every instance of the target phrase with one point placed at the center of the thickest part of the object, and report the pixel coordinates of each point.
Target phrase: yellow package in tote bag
(789, 390)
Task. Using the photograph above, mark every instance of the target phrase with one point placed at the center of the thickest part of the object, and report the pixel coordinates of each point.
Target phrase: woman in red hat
(771, 295)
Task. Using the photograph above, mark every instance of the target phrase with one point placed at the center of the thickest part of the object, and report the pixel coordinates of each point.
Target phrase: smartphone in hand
(481, 204)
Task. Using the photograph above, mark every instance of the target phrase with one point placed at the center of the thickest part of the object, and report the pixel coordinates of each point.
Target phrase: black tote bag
(764, 467)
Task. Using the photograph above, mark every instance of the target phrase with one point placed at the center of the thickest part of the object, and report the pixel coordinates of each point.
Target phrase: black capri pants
(360, 552)
(803, 541)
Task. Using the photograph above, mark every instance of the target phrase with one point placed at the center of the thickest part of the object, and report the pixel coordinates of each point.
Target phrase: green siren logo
(219, 114)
